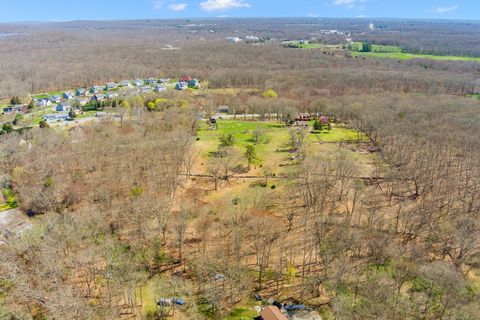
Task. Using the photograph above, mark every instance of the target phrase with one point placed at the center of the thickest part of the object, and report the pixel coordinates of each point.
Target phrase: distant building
(111, 95)
(181, 85)
(146, 89)
(186, 78)
(55, 98)
(151, 81)
(96, 89)
(371, 27)
(56, 117)
(80, 92)
(42, 102)
(138, 82)
(63, 107)
(223, 109)
(14, 109)
(194, 83)
(252, 39)
(98, 97)
(125, 83)
(68, 95)
(110, 85)
(160, 88)
(234, 39)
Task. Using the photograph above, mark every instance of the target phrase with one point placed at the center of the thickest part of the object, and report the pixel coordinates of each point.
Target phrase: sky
(66, 10)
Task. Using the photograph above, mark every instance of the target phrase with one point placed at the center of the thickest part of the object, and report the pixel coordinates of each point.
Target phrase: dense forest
(383, 225)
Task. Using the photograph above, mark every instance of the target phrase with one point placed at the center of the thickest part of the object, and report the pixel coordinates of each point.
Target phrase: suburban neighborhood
(63, 106)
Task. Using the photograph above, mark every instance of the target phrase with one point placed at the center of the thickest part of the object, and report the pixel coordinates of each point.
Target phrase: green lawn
(87, 114)
(409, 56)
(10, 200)
(242, 313)
(336, 134)
(357, 46)
(298, 45)
(395, 52)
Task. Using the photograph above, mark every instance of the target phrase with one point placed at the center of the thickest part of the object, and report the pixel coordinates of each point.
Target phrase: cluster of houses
(73, 99)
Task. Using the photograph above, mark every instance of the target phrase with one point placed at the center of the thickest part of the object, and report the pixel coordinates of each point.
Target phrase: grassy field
(10, 202)
(299, 45)
(409, 56)
(357, 46)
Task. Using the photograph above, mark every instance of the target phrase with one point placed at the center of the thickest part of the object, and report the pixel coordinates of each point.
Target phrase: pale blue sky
(58, 10)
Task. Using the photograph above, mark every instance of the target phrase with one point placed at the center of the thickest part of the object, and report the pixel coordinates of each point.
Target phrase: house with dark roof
(42, 102)
(98, 97)
(80, 92)
(64, 107)
(68, 95)
(181, 85)
(194, 83)
(151, 81)
(55, 98)
(110, 86)
(96, 89)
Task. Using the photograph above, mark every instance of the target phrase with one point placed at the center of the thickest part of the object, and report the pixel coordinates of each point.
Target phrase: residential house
(160, 88)
(96, 89)
(110, 86)
(125, 83)
(272, 313)
(55, 98)
(56, 117)
(181, 85)
(68, 95)
(63, 107)
(234, 39)
(98, 97)
(138, 82)
(164, 80)
(186, 79)
(146, 89)
(223, 109)
(42, 102)
(15, 109)
(194, 83)
(80, 92)
(151, 81)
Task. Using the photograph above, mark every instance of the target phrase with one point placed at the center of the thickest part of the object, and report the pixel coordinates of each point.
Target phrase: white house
(234, 39)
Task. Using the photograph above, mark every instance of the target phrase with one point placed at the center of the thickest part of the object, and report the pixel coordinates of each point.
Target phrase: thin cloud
(446, 9)
(177, 6)
(350, 4)
(221, 5)
(157, 4)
